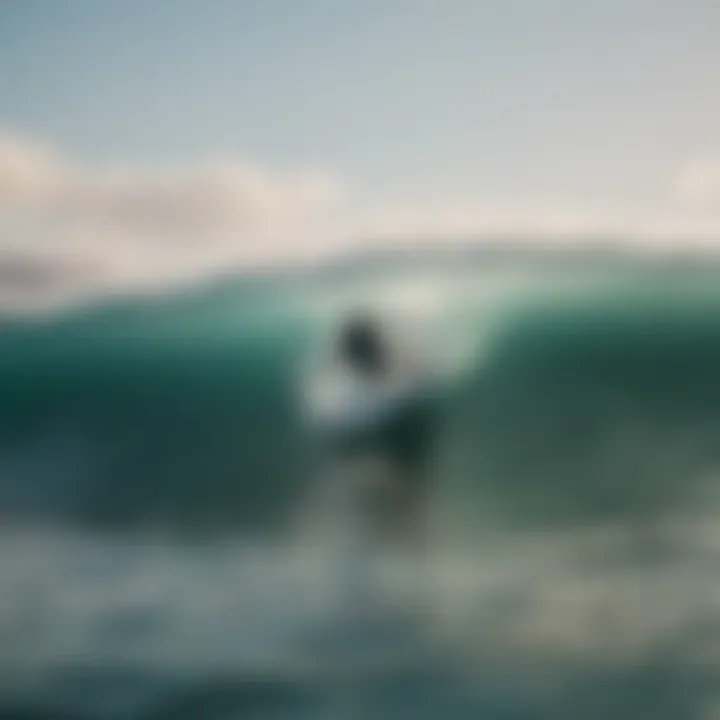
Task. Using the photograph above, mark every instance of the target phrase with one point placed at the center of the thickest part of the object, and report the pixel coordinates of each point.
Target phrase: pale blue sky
(598, 99)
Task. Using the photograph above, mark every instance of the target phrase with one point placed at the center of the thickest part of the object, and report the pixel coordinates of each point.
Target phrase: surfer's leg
(406, 508)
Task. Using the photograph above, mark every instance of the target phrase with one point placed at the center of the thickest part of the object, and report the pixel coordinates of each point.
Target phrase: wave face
(579, 389)
(578, 439)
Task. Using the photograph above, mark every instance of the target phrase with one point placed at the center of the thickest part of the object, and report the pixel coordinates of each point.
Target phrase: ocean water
(157, 477)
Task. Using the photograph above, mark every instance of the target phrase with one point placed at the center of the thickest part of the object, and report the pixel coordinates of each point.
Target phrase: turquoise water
(153, 458)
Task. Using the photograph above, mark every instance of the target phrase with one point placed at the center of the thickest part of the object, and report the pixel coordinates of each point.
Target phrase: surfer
(372, 406)
(375, 413)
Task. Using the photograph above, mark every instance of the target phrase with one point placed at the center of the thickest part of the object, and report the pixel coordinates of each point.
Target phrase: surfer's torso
(373, 397)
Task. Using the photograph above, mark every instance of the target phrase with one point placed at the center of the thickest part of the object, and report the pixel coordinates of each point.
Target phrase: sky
(281, 126)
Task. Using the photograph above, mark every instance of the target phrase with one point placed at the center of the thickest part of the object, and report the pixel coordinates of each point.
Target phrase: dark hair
(361, 344)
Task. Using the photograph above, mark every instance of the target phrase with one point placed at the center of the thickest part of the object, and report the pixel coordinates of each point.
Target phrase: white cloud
(675, 224)
(68, 229)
